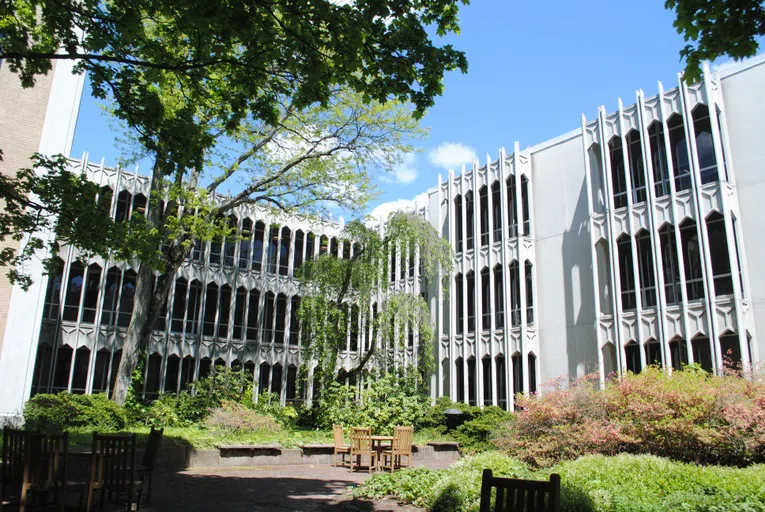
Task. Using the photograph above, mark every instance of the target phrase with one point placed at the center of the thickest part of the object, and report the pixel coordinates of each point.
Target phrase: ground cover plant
(596, 483)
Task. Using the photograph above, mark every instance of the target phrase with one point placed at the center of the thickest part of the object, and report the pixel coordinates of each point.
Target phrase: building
(625, 242)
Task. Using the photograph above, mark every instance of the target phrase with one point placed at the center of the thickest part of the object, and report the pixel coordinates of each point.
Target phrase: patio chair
(12, 468)
(146, 469)
(361, 445)
(514, 495)
(113, 471)
(340, 446)
(45, 470)
(400, 447)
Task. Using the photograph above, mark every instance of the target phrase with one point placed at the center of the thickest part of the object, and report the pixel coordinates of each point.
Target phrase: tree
(341, 296)
(723, 27)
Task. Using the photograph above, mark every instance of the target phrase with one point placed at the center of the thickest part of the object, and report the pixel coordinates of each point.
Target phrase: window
(281, 313)
(211, 308)
(268, 318)
(224, 311)
(101, 373)
(532, 373)
(458, 223)
(43, 363)
(53, 292)
(205, 367)
(702, 352)
(645, 268)
(63, 366)
(632, 353)
(496, 211)
(517, 373)
(276, 379)
(626, 273)
(139, 205)
(122, 213)
(73, 291)
(252, 315)
(292, 373)
(333, 248)
(459, 303)
(718, 247)
(512, 212)
(127, 297)
(499, 298)
(472, 399)
(515, 294)
(298, 257)
(153, 374)
(637, 172)
(487, 384)
(471, 301)
(354, 321)
(187, 372)
(525, 210)
(618, 178)
(604, 276)
(661, 175)
(731, 351)
(295, 321)
(257, 246)
(229, 248)
(346, 249)
(501, 381)
(653, 352)
(273, 249)
(411, 251)
(309, 246)
(216, 247)
(195, 301)
(680, 159)
(460, 378)
(239, 309)
(529, 293)
(485, 300)
(160, 323)
(678, 352)
(393, 264)
(80, 374)
(90, 303)
(179, 305)
(171, 374)
(245, 244)
(694, 278)
(483, 205)
(284, 251)
(469, 219)
(323, 244)
(672, 289)
(705, 146)
(197, 253)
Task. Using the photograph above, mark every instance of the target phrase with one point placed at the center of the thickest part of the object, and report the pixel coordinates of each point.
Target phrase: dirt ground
(306, 488)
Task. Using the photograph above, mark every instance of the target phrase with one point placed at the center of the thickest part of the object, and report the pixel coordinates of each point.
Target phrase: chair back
(402, 440)
(514, 495)
(361, 441)
(113, 465)
(338, 435)
(46, 459)
(14, 453)
(152, 448)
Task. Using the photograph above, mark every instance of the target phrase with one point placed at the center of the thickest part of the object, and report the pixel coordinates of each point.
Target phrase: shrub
(477, 427)
(689, 416)
(236, 418)
(64, 411)
(268, 404)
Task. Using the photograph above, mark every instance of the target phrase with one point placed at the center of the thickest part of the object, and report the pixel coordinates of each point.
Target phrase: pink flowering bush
(688, 416)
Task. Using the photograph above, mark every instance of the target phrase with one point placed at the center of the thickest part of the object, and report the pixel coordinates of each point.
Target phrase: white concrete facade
(628, 241)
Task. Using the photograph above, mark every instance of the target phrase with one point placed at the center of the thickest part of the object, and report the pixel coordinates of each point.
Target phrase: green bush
(233, 417)
(477, 426)
(64, 411)
(624, 483)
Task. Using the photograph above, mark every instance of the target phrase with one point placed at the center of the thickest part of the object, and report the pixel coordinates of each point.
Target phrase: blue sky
(534, 68)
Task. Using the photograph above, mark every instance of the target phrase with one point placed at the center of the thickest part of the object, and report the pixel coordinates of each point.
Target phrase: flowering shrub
(234, 417)
(689, 416)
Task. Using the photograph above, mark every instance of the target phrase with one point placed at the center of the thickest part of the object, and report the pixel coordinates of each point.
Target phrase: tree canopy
(715, 29)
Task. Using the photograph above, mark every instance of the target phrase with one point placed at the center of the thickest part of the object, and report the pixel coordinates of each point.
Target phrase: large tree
(717, 28)
(186, 75)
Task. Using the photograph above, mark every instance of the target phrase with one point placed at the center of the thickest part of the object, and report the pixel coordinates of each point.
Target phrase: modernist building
(632, 240)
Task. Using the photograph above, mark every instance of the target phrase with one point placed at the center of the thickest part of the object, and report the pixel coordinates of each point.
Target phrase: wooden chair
(340, 446)
(401, 446)
(146, 469)
(514, 495)
(113, 470)
(361, 445)
(12, 468)
(45, 470)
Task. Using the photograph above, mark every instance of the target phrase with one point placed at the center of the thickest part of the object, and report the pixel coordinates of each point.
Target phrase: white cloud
(406, 171)
(451, 155)
(382, 211)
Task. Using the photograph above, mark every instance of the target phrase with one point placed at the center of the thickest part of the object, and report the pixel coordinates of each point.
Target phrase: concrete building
(629, 241)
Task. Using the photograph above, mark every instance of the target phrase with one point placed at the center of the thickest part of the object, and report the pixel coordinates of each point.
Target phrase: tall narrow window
(393, 263)
(471, 301)
(127, 298)
(458, 223)
(472, 395)
(515, 294)
(618, 178)
(63, 366)
(653, 352)
(179, 305)
(245, 244)
(645, 268)
(487, 383)
(224, 311)
(257, 246)
(281, 314)
(171, 373)
(229, 248)
(292, 373)
(499, 298)
(483, 197)
(90, 303)
(42, 369)
(197, 251)
(252, 315)
(632, 353)
(195, 302)
(604, 276)
(672, 289)
(718, 247)
(469, 219)
(101, 373)
(512, 211)
(501, 381)
(496, 211)
(295, 321)
(702, 352)
(268, 318)
(153, 369)
(239, 313)
(211, 308)
(122, 212)
(459, 303)
(705, 146)
(626, 273)
(637, 171)
(273, 249)
(53, 292)
(355, 328)
(411, 251)
(139, 205)
(323, 245)
(529, 292)
(298, 254)
(80, 373)
(73, 292)
(678, 352)
(517, 373)
(694, 277)
(309, 245)
(532, 361)
(284, 251)
(680, 160)
(661, 175)
(216, 248)
(485, 300)
(525, 209)
(333, 248)
(346, 250)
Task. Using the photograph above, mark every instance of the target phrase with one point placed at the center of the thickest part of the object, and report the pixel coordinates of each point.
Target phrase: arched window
(731, 351)
(346, 249)
(195, 301)
(672, 289)
(257, 246)
(229, 249)
(718, 247)
(483, 206)
(111, 294)
(281, 313)
(661, 175)
(160, 322)
(43, 363)
(216, 248)
(323, 245)
(179, 305)
(512, 212)
(276, 379)
(645, 268)
(459, 373)
(252, 315)
(485, 300)
(80, 374)
(354, 339)
(499, 297)
(411, 254)
(496, 211)
(171, 373)
(458, 223)
(139, 205)
(487, 382)
(299, 238)
(460, 302)
(632, 353)
(637, 171)
(292, 374)
(705, 146)
(295, 321)
(224, 311)
(515, 294)
(525, 209)
(626, 273)
(472, 395)
(653, 352)
(596, 178)
(499, 363)
(90, 303)
(187, 372)
(268, 318)
(53, 292)
(101, 373)
(273, 249)
(127, 298)
(197, 251)
(694, 277)
(333, 246)
(239, 313)
(470, 278)
(211, 308)
(284, 251)
(680, 160)
(618, 178)
(469, 219)
(153, 376)
(702, 352)
(73, 292)
(678, 352)
(532, 372)
(245, 244)
(604, 276)
(122, 213)
(516, 360)
(63, 366)
(393, 263)
(205, 367)
(609, 360)
(529, 292)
